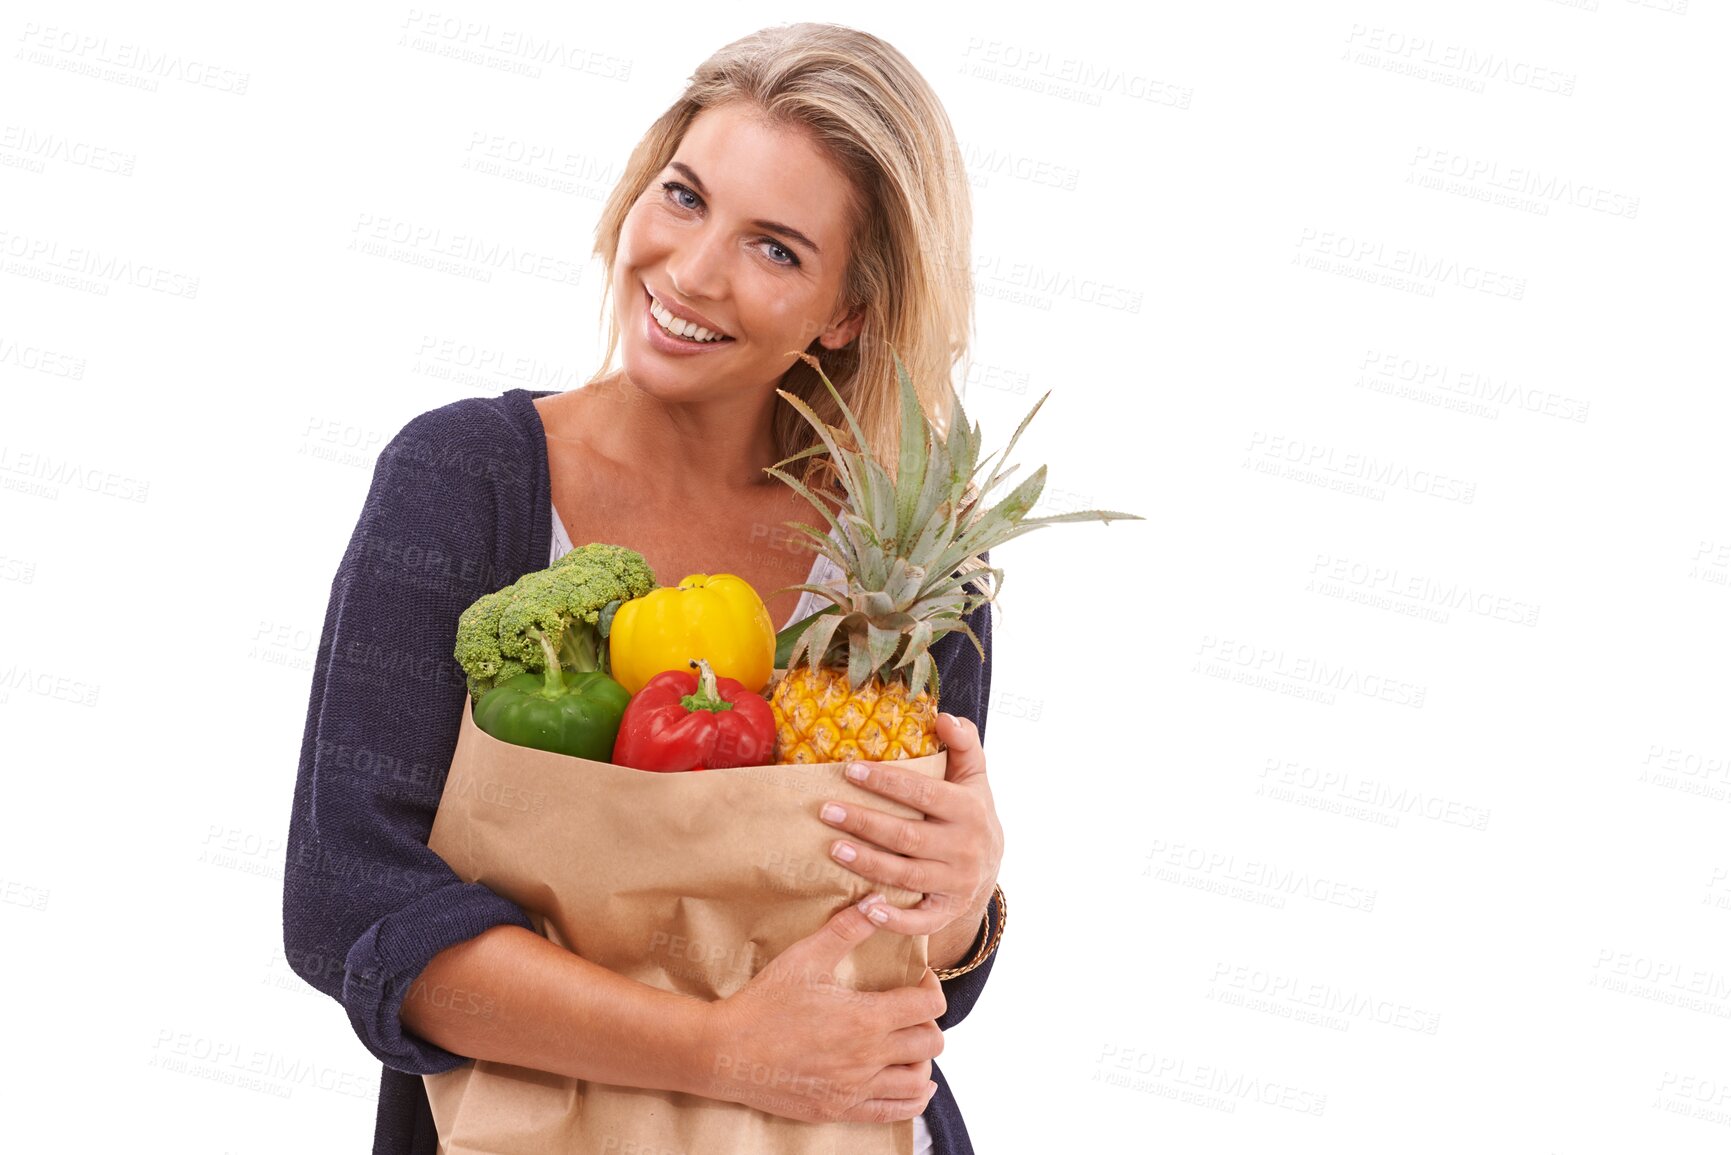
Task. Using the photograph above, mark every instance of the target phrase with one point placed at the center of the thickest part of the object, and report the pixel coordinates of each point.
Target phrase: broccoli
(499, 635)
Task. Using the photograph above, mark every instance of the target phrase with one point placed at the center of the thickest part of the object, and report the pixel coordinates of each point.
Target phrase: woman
(799, 196)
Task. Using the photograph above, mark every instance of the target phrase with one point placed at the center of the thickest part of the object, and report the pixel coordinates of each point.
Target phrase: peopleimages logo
(1326, 998)
(36, 359)
(93, 55)
(1543, 188)
(1177, 1077)
(41, 255)
(1067, 77)
(1385, 370)
(1394, 801)
(1419, 589)
(43, 474)
(465, 254)
(1217, 871)
(1362, 469)
(1370, 255)
(1423, 56)
(507, 49)
(35, 149)
(1275, 667)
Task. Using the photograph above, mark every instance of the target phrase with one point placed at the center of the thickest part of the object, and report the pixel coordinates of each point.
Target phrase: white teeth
(690, 330)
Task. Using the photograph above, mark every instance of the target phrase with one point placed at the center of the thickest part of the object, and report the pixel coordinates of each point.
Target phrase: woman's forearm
(511, 996)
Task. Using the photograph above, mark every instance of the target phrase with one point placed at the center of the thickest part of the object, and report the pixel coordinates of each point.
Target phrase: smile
(682, 330)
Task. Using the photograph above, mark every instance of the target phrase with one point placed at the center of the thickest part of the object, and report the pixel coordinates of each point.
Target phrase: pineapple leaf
(939, 532)
(875, 496)
(999, 477)
(868, 552)
(999, 536)
(799, 645)
(940, 609)
(1000, 523)
(788, 635)
(809, 451)
(877, 604)
(799, 487)
(917, 676)
(919, 641)
(898, 621)
(826, 543)
(836, 454)
(968, 630)
(1014, 437)
(880, 501)
(858, 478)
(911, 470)
(822, 591)
(859, 657)
(1104, 515)
(932, 494)
(986, 580)
(959, 579)
(961, 455)
(859, 436)
(815, 642)
(881, 645)
(903, 584)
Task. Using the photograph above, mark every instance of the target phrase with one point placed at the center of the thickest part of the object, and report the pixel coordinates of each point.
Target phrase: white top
(823, 572)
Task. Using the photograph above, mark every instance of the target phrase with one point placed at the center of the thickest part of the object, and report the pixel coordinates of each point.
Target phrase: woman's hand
(794, 1043)
(951, 857)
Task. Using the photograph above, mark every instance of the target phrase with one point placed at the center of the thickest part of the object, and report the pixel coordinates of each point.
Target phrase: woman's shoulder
(457, 503)
(508, 417)
(497, 438)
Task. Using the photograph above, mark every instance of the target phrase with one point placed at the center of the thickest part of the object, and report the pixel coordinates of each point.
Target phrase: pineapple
(912, 551)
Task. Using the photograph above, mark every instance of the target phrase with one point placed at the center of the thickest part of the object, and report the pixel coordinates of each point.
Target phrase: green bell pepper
(566, 713)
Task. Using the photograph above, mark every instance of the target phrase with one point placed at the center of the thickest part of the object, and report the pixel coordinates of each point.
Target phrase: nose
(698, 265)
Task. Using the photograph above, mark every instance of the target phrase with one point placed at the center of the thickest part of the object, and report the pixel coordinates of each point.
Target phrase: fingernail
(865, 904)
(856, 771)
(951, 717)
(833, 813)
(844, 852)
(879, 914)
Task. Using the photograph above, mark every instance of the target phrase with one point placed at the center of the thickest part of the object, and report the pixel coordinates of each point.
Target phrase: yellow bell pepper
(717, 617)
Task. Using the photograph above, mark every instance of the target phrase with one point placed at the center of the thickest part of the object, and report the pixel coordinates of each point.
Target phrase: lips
(689, 316)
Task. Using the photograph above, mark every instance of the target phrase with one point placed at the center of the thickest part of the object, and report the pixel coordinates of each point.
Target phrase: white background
(1339, 819)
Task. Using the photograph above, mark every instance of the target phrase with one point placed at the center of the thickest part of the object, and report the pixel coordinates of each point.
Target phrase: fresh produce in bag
(687, 882)
(694, 882)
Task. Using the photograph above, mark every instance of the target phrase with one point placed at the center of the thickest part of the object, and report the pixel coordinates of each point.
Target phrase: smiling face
(745, 233)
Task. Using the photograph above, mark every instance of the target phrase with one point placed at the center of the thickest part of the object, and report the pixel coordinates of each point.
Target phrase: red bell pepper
(679, 721)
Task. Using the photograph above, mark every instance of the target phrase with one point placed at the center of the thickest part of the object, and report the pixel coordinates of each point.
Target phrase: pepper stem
(708, 696)
(553, 684)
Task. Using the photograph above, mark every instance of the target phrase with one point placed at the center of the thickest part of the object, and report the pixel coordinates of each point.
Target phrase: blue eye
(673, 189)
(671, 186)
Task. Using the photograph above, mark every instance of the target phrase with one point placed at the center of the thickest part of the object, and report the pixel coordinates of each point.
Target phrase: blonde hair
(879, 121)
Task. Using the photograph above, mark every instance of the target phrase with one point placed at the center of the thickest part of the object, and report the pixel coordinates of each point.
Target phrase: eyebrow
(785, 230)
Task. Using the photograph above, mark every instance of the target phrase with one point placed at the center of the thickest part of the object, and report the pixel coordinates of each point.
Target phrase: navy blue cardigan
(460, 505)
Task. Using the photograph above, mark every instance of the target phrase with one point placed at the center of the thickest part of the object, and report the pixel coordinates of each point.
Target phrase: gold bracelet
(987, 947)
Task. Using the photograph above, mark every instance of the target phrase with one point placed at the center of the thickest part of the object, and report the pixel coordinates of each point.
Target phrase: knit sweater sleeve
(965, 689)
(366, 904)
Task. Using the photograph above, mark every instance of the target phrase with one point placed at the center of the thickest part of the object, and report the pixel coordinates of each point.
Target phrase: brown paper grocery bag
(689, 882)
